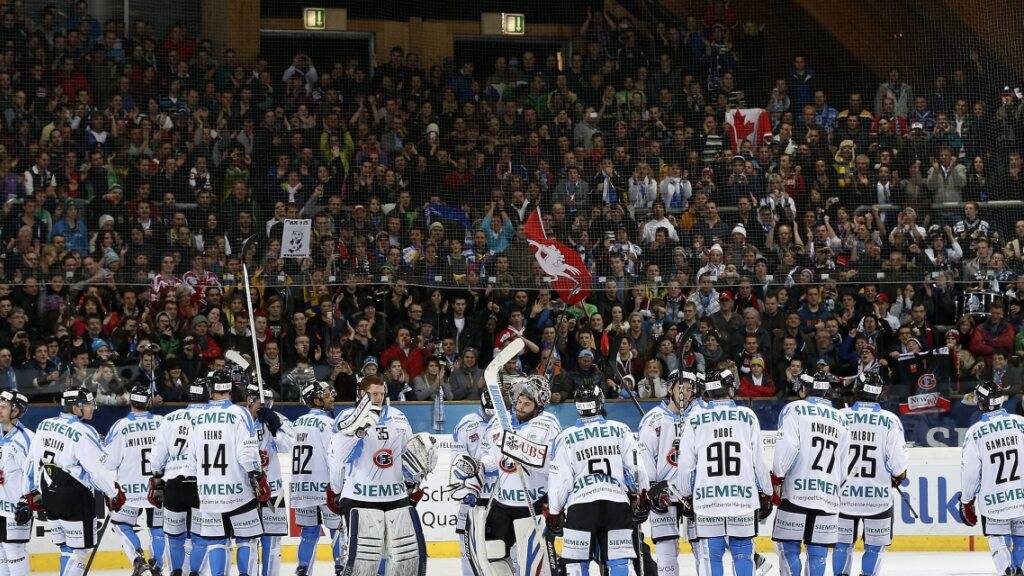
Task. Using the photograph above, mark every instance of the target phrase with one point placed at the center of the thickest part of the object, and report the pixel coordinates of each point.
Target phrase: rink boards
(933, 489)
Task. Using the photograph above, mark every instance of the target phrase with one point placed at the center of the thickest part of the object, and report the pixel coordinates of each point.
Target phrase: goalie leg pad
(476, 540)
(16, 556)
(406, 548)
(999, 547)
(366, 541)
(498, 561)
(531, 548)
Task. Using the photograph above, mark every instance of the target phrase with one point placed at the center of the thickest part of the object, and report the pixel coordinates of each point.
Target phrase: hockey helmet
(989, 395)
(199, 390)
(140, 396)
(869, 386)
(17, 400)
(589, 401)
(315, 390)
(76, 396)
(533, 387)
(819, 385)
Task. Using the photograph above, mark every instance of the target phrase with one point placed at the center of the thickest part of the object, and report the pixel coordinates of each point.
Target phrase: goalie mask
(590, 401)
(869, 386)
(535, 388)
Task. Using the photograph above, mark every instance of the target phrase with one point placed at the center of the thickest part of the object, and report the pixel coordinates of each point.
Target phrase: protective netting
(633, 158)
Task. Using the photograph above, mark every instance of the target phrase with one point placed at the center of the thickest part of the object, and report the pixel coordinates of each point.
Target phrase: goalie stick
(504, 356)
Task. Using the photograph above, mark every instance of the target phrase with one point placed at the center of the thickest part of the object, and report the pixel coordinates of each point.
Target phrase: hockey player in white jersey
(723, 478)
(991, 478)
(659, 433)
(64, 466)
(274, 436)
(469, 485)
(129, 445)
(596, 480)
(173, 483)
(376, 465)
(310, 478)
(807, 473)
(15, 517)
(877, 463)
(230, 482)
(510, 499)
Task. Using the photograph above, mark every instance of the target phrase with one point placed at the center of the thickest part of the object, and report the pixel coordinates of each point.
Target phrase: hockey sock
(1017, 554)
(871, 561)
(217, 555)
(339, 546)
(999, 546)
(700, 555)
(130, 542)
(577, 568)
(742, 551)
(307, 546)
(666, 553)
(176, 550)
(200, 547)
(789, 558)
(246, 556)
(817, 556)
(4, 570)
(157, 544)
(65, 553)
(76, 563)
(618, 567)
(715, 548)
(16, 557)
(842, 558)
(271, 555)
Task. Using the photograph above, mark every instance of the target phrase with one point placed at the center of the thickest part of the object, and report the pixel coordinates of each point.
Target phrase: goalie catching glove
(465, 481)
(362, 417)
(419, 457)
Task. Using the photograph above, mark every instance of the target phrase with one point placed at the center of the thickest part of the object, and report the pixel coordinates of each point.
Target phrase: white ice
(895, 564)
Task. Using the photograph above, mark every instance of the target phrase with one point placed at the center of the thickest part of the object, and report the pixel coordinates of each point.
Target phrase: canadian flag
(569, 273)
(750, 124)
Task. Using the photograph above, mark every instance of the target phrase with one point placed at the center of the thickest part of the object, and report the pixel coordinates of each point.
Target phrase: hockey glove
(333, 500)
(415, 493)
(777, 489)
(156, 490)
(264, 459)
(766, 507)
(33, 501)
(968, 514)
(898, 479)
(641, 507)
(117, 501)
(260, 486)
(687, 508)
(555, 522)
(660, 497)
(270, 418)
(22, 514)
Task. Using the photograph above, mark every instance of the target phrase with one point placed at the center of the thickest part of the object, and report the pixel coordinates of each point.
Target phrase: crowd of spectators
(135, 168)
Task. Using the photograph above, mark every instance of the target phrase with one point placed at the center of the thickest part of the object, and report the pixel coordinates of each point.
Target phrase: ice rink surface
(895, 564)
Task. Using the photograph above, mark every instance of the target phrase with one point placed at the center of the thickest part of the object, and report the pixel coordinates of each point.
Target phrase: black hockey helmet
(989, 395)
(315, 390)
(140, 396)
(717, 386)
(224, 380)
(486, 403)
(589, 401)
(199, 390)
(869, 386)
(17, 400)
(819, 385)
(76, 396)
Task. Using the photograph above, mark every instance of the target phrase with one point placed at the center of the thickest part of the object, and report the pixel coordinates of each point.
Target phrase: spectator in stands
(995, 333)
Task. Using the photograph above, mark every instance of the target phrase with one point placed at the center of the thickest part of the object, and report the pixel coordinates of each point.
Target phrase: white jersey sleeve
(877, 453)
(594, 460)
(73, 446)
(659, 433)
(224, 450)
(811, 454)
(14, 449)
(721, 462)
(310, 469)
(991, 465)
(129, 445)
(274, 445)
(369, 469)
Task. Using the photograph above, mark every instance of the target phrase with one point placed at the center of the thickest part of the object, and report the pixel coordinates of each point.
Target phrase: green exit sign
(513, 24)
(314, 18)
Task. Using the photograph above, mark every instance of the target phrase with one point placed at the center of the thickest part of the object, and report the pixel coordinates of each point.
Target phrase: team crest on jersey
(927, 382)
(507, 465)
(673, 457)
(383, 458)
(474, 437)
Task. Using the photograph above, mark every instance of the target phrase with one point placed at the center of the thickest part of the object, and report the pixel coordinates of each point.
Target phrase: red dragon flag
(561, 263)
(750, 124)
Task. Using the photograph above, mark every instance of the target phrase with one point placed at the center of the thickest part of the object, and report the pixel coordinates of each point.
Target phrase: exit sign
(513, 24)
(314, 18)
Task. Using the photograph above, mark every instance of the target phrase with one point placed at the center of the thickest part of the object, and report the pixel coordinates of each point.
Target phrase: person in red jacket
(994, 333)
(412, 358)
(756, 383)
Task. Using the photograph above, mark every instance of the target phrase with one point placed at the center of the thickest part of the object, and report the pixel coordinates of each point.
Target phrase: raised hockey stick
(252, 330)
(504, 356)
(99, 538)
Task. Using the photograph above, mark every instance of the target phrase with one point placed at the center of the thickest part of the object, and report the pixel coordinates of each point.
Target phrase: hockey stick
(252, 330)
(504, 356)
(906, 500)
(99, 538)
